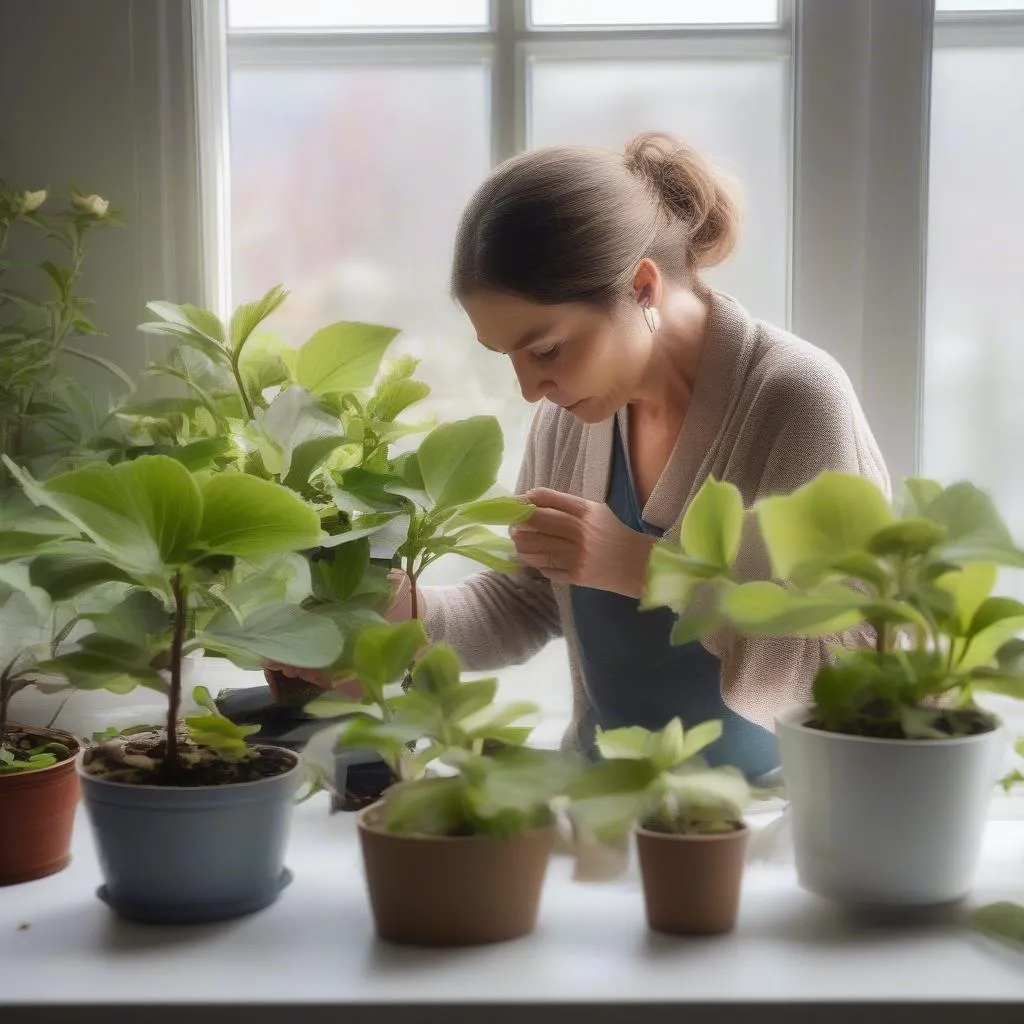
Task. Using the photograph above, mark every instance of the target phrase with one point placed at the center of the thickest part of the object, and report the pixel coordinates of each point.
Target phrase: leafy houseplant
(893, 737)
(323, 420)
(457, 849)
(687, 818)
(44, 413)
(194, 552)
(39, 787)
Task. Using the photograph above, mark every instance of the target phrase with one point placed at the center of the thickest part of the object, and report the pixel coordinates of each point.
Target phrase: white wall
(99, 94)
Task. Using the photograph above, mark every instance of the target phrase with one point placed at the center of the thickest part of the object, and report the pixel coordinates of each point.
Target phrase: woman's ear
(647, 284)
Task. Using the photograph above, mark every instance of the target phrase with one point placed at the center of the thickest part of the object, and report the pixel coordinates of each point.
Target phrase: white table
(316, 947)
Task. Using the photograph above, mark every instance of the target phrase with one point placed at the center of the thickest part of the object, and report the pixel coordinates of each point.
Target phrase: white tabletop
(317, 945)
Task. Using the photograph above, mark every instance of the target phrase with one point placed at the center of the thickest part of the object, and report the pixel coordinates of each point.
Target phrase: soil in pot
(453, 890)
(876, 722)
(139, 759)
(38, 808)
(691, 882)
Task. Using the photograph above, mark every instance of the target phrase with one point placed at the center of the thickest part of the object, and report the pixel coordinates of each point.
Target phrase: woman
(582, 268)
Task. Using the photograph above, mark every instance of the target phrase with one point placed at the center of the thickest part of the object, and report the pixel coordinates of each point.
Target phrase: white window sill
(316, 946)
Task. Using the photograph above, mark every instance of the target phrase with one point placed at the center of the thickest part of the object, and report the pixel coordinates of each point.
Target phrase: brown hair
(566, 224)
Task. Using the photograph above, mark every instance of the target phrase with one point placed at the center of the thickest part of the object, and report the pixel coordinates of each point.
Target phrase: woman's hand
(399, 610)
(573, 540)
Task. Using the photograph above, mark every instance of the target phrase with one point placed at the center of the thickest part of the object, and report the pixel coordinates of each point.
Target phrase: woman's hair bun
(703, 198)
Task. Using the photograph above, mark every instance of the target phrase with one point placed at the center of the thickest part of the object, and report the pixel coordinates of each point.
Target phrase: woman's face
(586, 359)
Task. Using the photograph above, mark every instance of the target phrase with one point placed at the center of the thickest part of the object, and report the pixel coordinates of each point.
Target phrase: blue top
(635, 676)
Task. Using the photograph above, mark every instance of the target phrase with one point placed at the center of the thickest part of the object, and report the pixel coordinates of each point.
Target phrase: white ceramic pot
(886, 823)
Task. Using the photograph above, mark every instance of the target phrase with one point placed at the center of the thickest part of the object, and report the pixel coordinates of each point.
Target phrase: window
(974, 356)
(974, 338)
(359, 130)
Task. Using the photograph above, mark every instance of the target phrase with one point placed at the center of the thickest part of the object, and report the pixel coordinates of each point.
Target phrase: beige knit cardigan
(768, 413)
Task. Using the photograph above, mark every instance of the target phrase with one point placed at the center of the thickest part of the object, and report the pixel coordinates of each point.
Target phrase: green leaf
(342, 357)
(632, 742)
(255, 519)
(266, 362)
(106, 663)
(697, 738)
(382, 654)
(60, 276)
(672, 578)
(492, 512)
(250, 315)
(393, 397)
(1003, 921)
(336, 578)
(107, 365)
(976, 531)
(993, 610)
(766, 609)
(826, 519)
(304, 433)
(907, 538)
(982, 647)
(143, 514)
(969, 587)
(611, 796)
(690, 629)
(438, 671)
(919, 494)
(66, 574)
(460, 461)
(515, 784)
(431, 807)
(713, 524)
(284, 633)
(709, 794)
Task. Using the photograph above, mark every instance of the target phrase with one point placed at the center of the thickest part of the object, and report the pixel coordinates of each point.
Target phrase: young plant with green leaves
(458, 758)
(297, 416)
(436, 497)
(920, 576)
(200, 557)
(45, 414)
(658, 781)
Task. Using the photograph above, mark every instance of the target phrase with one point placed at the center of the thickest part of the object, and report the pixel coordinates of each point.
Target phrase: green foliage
(659, 780)
(195, 553)
(213, 730)
(1003, 922)
(45, 416)
(921, 576)
(433, 737)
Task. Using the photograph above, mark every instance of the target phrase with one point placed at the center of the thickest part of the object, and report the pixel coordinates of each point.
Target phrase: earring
(653, 318)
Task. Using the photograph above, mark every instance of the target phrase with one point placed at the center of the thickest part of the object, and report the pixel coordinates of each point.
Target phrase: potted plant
(303, 417)
(456, 851)
(687, 819)
(38, 785)
(889, 770)
(188, 828)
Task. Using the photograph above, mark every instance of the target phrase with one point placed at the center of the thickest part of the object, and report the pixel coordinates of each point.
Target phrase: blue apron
(635, 676)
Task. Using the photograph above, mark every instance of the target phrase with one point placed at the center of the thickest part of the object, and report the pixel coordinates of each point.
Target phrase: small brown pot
(692, 882)
(452, 890)
(38, 811)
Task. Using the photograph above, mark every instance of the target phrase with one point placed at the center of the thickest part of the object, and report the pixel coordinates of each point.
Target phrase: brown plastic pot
(692, 882)
(452, 890)
(38, 809)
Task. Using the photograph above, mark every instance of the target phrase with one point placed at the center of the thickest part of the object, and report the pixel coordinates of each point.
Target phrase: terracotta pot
(38, 809)
(692, 882)
(453, 890)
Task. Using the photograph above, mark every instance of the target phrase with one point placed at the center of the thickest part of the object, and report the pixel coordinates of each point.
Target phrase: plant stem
(249, 414)
(174, 703)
